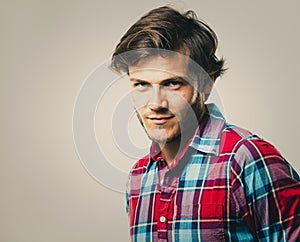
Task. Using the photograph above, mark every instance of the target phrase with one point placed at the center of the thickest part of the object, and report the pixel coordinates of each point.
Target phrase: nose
(158, 99)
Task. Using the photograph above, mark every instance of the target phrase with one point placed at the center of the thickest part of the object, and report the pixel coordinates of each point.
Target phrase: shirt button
(162, 219)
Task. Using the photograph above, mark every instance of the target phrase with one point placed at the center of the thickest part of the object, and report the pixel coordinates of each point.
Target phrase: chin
(160, 136)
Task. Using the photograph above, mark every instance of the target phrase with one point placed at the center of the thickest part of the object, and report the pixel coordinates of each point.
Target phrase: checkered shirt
(226, 185)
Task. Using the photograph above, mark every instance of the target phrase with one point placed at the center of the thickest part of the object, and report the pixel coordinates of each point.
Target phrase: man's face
(165, 101)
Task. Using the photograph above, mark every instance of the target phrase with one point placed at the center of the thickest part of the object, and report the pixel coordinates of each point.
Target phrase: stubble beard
(159, 135)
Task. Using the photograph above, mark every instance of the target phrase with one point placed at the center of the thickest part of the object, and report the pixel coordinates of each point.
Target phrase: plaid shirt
(226, 185)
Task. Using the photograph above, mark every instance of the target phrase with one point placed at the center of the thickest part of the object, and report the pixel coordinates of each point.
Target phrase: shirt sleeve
(127, 190)
(267, 192)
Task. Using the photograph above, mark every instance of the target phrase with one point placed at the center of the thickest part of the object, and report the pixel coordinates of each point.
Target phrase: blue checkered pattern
(229, 185)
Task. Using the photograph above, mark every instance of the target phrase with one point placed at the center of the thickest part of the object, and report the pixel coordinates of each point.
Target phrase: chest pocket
(199, 222)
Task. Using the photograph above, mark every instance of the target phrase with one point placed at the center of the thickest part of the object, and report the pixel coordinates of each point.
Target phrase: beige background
(47, 49)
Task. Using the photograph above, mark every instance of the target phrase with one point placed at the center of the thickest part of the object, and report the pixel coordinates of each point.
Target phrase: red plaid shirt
(226, 185)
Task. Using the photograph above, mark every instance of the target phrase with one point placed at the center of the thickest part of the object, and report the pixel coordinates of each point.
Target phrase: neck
(175, 147)
(171, 150)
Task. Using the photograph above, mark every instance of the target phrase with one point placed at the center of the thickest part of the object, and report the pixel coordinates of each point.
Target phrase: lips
(160, 120)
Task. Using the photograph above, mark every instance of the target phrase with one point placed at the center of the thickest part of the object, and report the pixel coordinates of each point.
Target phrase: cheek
(139, 99)
(139, 114)
(180, 104)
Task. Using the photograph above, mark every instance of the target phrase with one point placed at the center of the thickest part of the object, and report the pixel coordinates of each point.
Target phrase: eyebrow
(175, 78)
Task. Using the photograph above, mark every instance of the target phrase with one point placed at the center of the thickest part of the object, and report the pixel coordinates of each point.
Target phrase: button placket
(162, 219)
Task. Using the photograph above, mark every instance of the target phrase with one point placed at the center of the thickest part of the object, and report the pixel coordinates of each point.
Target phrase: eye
(174, 85)
(141, 86)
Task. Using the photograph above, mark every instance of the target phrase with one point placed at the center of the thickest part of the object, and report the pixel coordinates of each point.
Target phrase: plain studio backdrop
(47, 50)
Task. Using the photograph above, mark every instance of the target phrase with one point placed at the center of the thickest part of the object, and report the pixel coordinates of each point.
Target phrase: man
(204, 179)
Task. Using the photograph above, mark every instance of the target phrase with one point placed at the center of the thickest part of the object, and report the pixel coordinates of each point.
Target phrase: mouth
(160, 120)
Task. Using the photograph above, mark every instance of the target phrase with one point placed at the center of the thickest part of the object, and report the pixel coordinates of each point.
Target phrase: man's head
(169, 57)
(166, 28)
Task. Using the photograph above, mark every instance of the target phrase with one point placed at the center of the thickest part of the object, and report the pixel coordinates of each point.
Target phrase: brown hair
(166, 28)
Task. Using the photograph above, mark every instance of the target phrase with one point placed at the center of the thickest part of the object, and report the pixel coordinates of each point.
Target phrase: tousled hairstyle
(166, 28)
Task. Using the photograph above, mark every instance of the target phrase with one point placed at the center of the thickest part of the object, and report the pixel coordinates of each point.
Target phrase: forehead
(158, 67)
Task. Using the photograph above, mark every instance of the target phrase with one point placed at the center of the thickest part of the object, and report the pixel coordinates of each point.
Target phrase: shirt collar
(207, 136)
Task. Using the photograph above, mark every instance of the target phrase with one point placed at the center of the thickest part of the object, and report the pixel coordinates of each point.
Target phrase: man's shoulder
(243, 143)
(233, 135)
